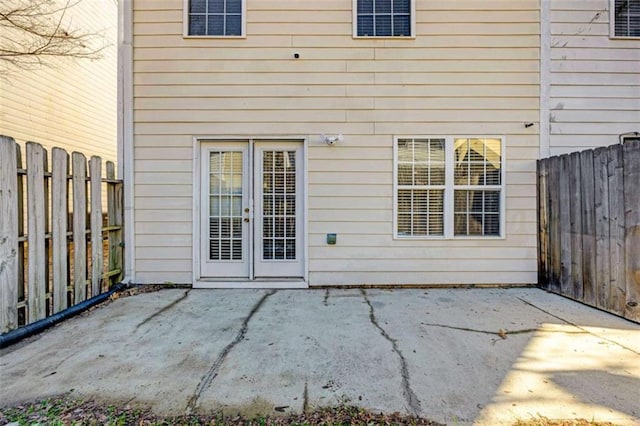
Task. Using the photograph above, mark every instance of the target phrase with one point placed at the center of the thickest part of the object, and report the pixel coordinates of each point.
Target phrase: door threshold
(277, 283)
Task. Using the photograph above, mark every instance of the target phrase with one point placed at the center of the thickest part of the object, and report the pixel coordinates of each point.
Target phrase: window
(383, 18)
(421, 184)
(626, 18)
(449, 187)
(215, 17)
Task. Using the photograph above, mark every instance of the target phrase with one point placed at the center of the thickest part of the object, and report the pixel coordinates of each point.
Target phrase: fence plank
(8, 234)
(554, 224)
(617, 287)
(95, 166)
(59, 226)
(588, 227)
(113, 241)
(543, 222)
(565, 227)
(575, 203)
(601, 211)
(79, 178)
(36, 196)
(631, 153)
(119, 221)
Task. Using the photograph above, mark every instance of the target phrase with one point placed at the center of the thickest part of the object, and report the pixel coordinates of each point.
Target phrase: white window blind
(626, 18)
(449, 187)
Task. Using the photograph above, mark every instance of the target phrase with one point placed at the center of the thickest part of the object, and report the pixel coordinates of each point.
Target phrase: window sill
(412, 37)
(624, 37)
(444, 238)
(215, 37)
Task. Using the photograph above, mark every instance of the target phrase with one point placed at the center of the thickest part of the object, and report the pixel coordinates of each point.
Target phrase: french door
(252, 210)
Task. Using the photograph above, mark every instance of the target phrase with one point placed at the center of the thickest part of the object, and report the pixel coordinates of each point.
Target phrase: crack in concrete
(409, 394)
(305, 397)
(578, 327)
(326, 297)
(211, 374)
(505, 332)
(163, 310)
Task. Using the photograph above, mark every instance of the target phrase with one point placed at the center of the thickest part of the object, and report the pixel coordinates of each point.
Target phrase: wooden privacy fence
(589, 227)
(60, 260)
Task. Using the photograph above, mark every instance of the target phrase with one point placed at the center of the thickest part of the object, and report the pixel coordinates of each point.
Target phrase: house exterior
(68, 103)
(290, 143)
(590, 74)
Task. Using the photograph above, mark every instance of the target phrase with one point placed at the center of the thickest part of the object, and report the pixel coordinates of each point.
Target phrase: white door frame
(206, 282)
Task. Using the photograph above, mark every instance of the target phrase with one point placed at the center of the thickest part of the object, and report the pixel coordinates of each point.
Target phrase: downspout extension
(28, 330)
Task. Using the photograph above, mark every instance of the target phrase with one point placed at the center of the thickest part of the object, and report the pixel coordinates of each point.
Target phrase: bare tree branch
(32, 32)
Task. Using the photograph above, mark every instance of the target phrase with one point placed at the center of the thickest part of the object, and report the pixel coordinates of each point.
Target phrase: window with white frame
(215, 17)
(383, 18)
(449, 187)
(626, 18)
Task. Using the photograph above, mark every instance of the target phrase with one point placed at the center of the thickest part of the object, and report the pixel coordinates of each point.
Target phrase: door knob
(246, 219)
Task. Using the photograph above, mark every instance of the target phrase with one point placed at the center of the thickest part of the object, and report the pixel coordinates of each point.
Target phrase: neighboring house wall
(472, 70)
(594, 79)
(70, 103)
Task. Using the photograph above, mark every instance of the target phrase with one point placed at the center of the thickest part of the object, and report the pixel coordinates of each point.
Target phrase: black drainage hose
(16, 335)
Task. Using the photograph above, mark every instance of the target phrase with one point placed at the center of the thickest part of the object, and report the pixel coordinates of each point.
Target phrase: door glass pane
(279, 205)
(225, 205)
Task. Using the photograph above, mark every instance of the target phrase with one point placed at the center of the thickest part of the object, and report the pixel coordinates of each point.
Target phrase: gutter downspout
(15, 336)
(125, 130)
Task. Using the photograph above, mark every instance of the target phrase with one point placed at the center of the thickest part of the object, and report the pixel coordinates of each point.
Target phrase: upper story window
(384, 18)
(626, 18)
(217, 18)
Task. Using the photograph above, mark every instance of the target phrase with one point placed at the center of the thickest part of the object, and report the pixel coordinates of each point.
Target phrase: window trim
(185, 24)
(612, 24)
(354, 24)
(450, 187)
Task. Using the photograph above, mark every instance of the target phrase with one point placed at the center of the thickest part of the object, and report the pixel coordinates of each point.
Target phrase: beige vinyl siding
(594, 79)
(471, 70)
(68, 103)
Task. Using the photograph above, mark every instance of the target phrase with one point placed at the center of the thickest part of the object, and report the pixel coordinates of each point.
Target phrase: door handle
(246, 219)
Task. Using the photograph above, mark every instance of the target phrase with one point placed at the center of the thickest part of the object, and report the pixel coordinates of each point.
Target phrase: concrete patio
(475, 356)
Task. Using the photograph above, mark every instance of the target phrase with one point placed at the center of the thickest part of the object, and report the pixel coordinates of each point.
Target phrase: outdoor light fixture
(332, 139)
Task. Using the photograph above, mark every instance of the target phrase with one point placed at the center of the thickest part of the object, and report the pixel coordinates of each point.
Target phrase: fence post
(59, 226)
(95, 166)
(79, 226)
(9, 162)
(36, 203)
(631, 152)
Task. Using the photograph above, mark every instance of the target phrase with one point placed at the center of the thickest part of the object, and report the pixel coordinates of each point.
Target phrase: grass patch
(65, 410)
(69, 411)
(543, 421)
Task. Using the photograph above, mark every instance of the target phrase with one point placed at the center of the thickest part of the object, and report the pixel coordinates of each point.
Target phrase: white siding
(471, 70)
(69, 103)
(594, 79)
